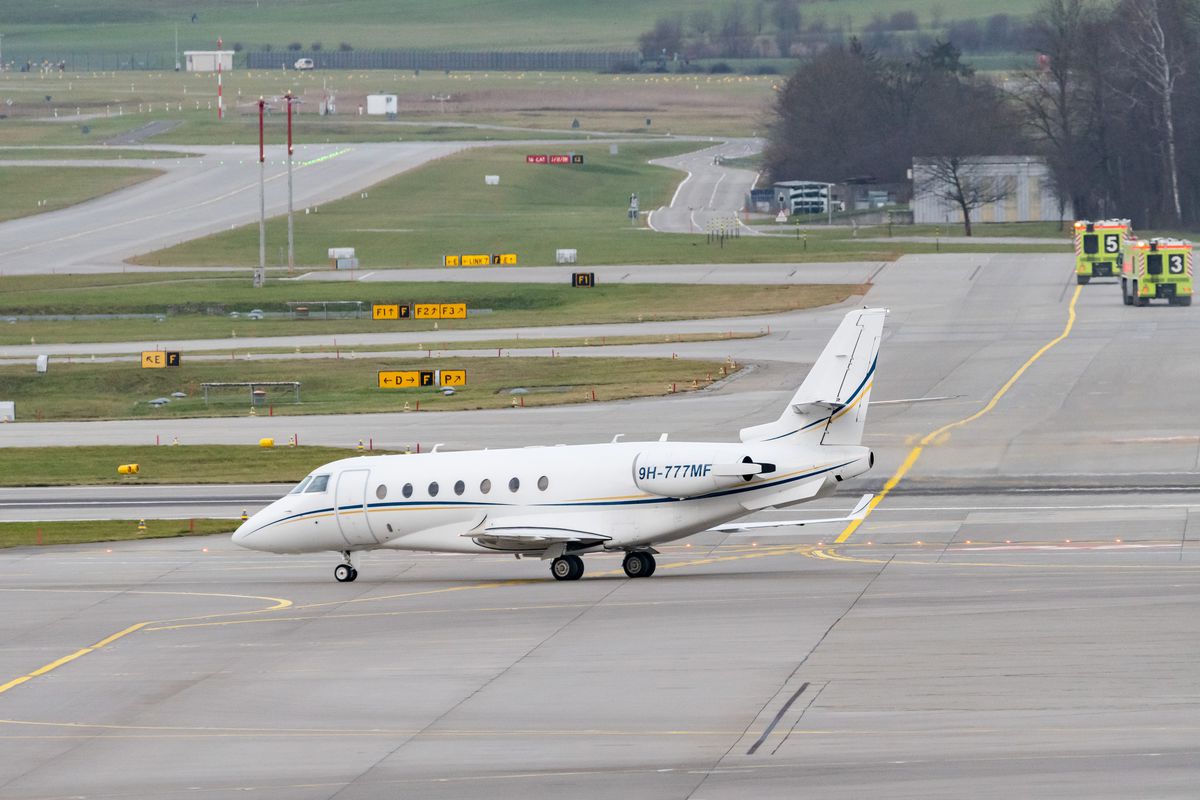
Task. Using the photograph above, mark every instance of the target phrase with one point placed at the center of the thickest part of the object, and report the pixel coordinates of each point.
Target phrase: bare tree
(964, 182)
(1052, 98)
(1159, 66)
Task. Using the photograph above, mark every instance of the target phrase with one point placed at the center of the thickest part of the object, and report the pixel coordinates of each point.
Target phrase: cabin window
(433, 489)
(407, 490)
(381, 491)
(1154, 263)
(514, 484)
(1091, 244)
(543, 483)
(459, 487)
(485, 486)
(318, 484)
(300, 486)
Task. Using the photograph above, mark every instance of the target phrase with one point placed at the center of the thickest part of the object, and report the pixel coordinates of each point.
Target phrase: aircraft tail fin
(830, 407)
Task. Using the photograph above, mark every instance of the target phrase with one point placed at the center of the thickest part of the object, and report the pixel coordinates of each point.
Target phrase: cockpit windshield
(300, 486)
(319, 482)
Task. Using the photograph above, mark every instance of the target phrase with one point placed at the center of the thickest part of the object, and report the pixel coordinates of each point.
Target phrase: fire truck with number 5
(1100, 248)
(1158, 268)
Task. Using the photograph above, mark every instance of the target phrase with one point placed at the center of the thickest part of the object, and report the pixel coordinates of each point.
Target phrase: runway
(961, 647)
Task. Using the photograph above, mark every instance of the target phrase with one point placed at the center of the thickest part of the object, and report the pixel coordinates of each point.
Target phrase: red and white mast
(220, 99)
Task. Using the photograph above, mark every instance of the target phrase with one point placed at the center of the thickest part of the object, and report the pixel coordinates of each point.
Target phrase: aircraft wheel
(567, 568)
(345, 573)
(639, 565)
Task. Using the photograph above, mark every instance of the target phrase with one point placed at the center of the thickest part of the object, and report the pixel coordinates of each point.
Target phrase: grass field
(97, 466)
(183, 302)
(31, 534)
(534, 211)
(99, 390)
(22, 189)
(85, 153)
(115, 103)
(138, 26)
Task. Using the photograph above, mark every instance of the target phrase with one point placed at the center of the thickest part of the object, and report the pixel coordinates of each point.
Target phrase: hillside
(140, 26)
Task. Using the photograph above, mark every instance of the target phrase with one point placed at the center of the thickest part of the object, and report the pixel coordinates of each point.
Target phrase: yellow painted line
(53, 665)
(279, 603)
(939, 436)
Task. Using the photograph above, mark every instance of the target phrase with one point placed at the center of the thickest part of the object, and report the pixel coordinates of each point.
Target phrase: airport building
(1029, 197)
(207, 60)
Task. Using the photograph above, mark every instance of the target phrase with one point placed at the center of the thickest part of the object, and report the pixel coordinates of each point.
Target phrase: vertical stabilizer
(830, 407)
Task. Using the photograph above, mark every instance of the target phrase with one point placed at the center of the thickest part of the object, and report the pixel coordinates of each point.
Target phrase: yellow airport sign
(385, 311)
(399, 379)
(154, 359)
(505, 259)
(476, 260)
(453, 377)
(440, 310)
(453, 310)
(450, 261)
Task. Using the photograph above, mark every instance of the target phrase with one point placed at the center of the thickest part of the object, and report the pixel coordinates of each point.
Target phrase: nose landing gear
(345, 572)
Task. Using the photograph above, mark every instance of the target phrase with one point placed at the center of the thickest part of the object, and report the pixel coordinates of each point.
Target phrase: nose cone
(244, 535)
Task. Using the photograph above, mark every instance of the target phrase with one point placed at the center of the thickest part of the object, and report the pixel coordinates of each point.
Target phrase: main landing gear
(345, 572)
(567, 568)
(639, 565)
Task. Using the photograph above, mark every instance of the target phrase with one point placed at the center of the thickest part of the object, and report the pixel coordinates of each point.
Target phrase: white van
(303, 63)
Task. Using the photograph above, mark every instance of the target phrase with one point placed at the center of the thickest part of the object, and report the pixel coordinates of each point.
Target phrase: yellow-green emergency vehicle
(1100, 248)
(1158, 268)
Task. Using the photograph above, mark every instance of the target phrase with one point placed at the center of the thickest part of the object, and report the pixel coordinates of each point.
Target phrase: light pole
(260, 274)
(290, 98)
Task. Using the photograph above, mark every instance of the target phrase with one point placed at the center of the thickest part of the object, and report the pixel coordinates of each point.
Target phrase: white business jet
(559, 503)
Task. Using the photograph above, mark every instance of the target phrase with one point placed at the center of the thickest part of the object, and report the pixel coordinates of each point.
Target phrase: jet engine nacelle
(683, 471)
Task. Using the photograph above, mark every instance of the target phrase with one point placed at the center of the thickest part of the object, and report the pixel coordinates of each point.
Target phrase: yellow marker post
(127, 469)
(154, 359)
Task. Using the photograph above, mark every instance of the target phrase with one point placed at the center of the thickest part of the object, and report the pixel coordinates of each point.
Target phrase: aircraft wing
(858, 512)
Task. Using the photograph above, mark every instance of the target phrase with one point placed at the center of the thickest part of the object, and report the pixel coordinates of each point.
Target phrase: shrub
(295, 46)
(315, 47)
(345, 47)
(720, 68)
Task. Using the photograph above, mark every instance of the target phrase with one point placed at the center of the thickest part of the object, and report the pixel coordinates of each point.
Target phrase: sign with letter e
(583, 280)
(154, 359)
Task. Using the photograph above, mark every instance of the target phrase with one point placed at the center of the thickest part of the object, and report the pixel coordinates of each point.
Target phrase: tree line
(1111, 105)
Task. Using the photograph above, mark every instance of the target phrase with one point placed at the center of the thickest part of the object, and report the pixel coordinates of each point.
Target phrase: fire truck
(1158, 268)
(1100, 248)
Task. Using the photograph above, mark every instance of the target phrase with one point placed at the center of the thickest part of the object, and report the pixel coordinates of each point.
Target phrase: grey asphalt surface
(710, 191)
(196, 196)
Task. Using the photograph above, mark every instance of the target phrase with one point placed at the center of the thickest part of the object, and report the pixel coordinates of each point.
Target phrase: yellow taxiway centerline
(939, 436)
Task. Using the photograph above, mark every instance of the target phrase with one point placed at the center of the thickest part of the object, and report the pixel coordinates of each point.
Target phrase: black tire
(1082, 279)
(344, 573)
(566, 568)
(1185, 300)
(639, 565)
(1126, 297)
(1138, 301)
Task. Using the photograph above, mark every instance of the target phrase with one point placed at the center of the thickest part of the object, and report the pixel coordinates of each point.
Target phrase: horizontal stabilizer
(858, 512)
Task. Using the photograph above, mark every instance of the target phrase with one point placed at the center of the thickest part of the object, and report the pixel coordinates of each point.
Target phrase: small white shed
(207, 60)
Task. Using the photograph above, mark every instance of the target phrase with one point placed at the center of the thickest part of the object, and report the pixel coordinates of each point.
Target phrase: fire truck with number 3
(1100, 248)
(1158, 268)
